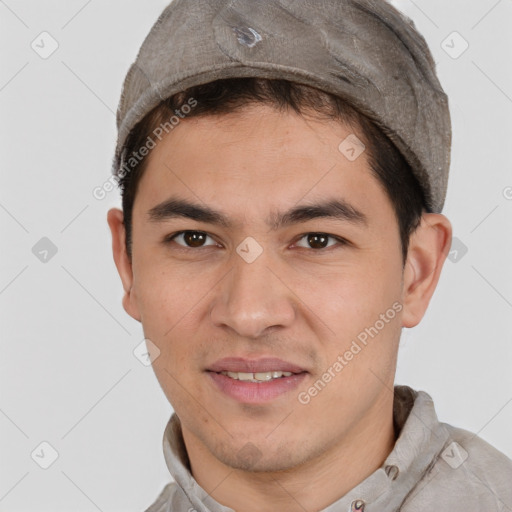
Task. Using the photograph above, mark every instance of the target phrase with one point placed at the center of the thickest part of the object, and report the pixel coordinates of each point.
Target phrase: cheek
(170, 298)
(162, 290)
(351, 297)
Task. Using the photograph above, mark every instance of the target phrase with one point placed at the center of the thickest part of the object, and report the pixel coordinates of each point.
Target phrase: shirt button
(392, 472)
(357, 505)
(247, 36)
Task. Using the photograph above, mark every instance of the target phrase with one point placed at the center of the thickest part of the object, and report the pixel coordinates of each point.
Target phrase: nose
(253, 298)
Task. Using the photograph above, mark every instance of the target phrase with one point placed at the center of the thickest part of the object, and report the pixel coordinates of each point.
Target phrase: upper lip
(264, 364)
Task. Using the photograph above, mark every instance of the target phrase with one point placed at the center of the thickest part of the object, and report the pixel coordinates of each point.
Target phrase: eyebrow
(335, 208)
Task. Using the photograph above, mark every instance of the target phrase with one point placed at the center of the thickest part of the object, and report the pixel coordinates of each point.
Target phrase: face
(251, 281)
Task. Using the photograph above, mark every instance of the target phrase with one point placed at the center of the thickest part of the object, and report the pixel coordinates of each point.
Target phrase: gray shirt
(432, 467)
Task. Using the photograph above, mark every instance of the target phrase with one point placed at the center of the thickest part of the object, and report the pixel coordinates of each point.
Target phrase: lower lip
(256, 392)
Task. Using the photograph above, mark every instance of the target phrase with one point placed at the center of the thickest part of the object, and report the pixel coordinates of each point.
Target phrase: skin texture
(296, 301)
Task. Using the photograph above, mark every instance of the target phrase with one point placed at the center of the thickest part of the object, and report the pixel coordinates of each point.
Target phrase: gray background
(68, 375)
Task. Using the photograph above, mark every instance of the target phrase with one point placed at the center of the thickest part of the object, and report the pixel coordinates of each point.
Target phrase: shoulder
(468, 474)
(478, 457)
(481, 451)
(169, 499)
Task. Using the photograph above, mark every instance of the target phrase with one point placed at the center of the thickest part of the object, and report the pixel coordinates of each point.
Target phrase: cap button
(357, 505)
(392, 472)
(247, 36)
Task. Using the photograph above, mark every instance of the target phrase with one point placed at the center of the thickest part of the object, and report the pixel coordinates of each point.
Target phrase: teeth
(266, 376)
(256, 377)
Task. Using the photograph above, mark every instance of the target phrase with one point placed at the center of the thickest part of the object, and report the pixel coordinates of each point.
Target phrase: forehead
(256, 158)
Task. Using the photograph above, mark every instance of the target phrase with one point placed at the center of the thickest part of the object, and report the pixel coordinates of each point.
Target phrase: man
(283, 166)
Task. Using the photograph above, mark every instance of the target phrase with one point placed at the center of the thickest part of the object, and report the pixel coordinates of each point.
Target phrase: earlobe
(123, 263)
(428, 247)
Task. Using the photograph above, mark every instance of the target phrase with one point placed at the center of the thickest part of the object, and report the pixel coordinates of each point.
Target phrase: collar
(421, 438)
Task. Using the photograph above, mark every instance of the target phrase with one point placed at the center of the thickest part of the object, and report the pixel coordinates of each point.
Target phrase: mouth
(265, 365)
(257, 377)
(255, 381)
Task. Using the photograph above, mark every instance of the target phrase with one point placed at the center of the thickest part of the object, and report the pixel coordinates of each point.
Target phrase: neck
(331, 474)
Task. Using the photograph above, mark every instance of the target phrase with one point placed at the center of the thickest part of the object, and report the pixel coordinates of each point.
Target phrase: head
(222, 271)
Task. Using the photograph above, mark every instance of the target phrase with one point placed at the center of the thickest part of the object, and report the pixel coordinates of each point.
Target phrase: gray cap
(365, 51)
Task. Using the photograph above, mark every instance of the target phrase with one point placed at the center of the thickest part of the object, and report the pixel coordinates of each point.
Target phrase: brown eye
(191, 239)
(320, 240)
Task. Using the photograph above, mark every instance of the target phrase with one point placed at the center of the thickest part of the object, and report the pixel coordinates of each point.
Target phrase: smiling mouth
(257, 377)
(256, 388)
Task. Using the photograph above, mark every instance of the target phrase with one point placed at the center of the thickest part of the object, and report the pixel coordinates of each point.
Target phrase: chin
(255, 458)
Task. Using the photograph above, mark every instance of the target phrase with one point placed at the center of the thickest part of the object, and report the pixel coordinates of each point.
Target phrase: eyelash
(341, 241)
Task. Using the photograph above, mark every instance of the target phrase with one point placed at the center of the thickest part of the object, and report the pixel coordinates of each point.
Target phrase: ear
(123, 263)
(428, 247)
